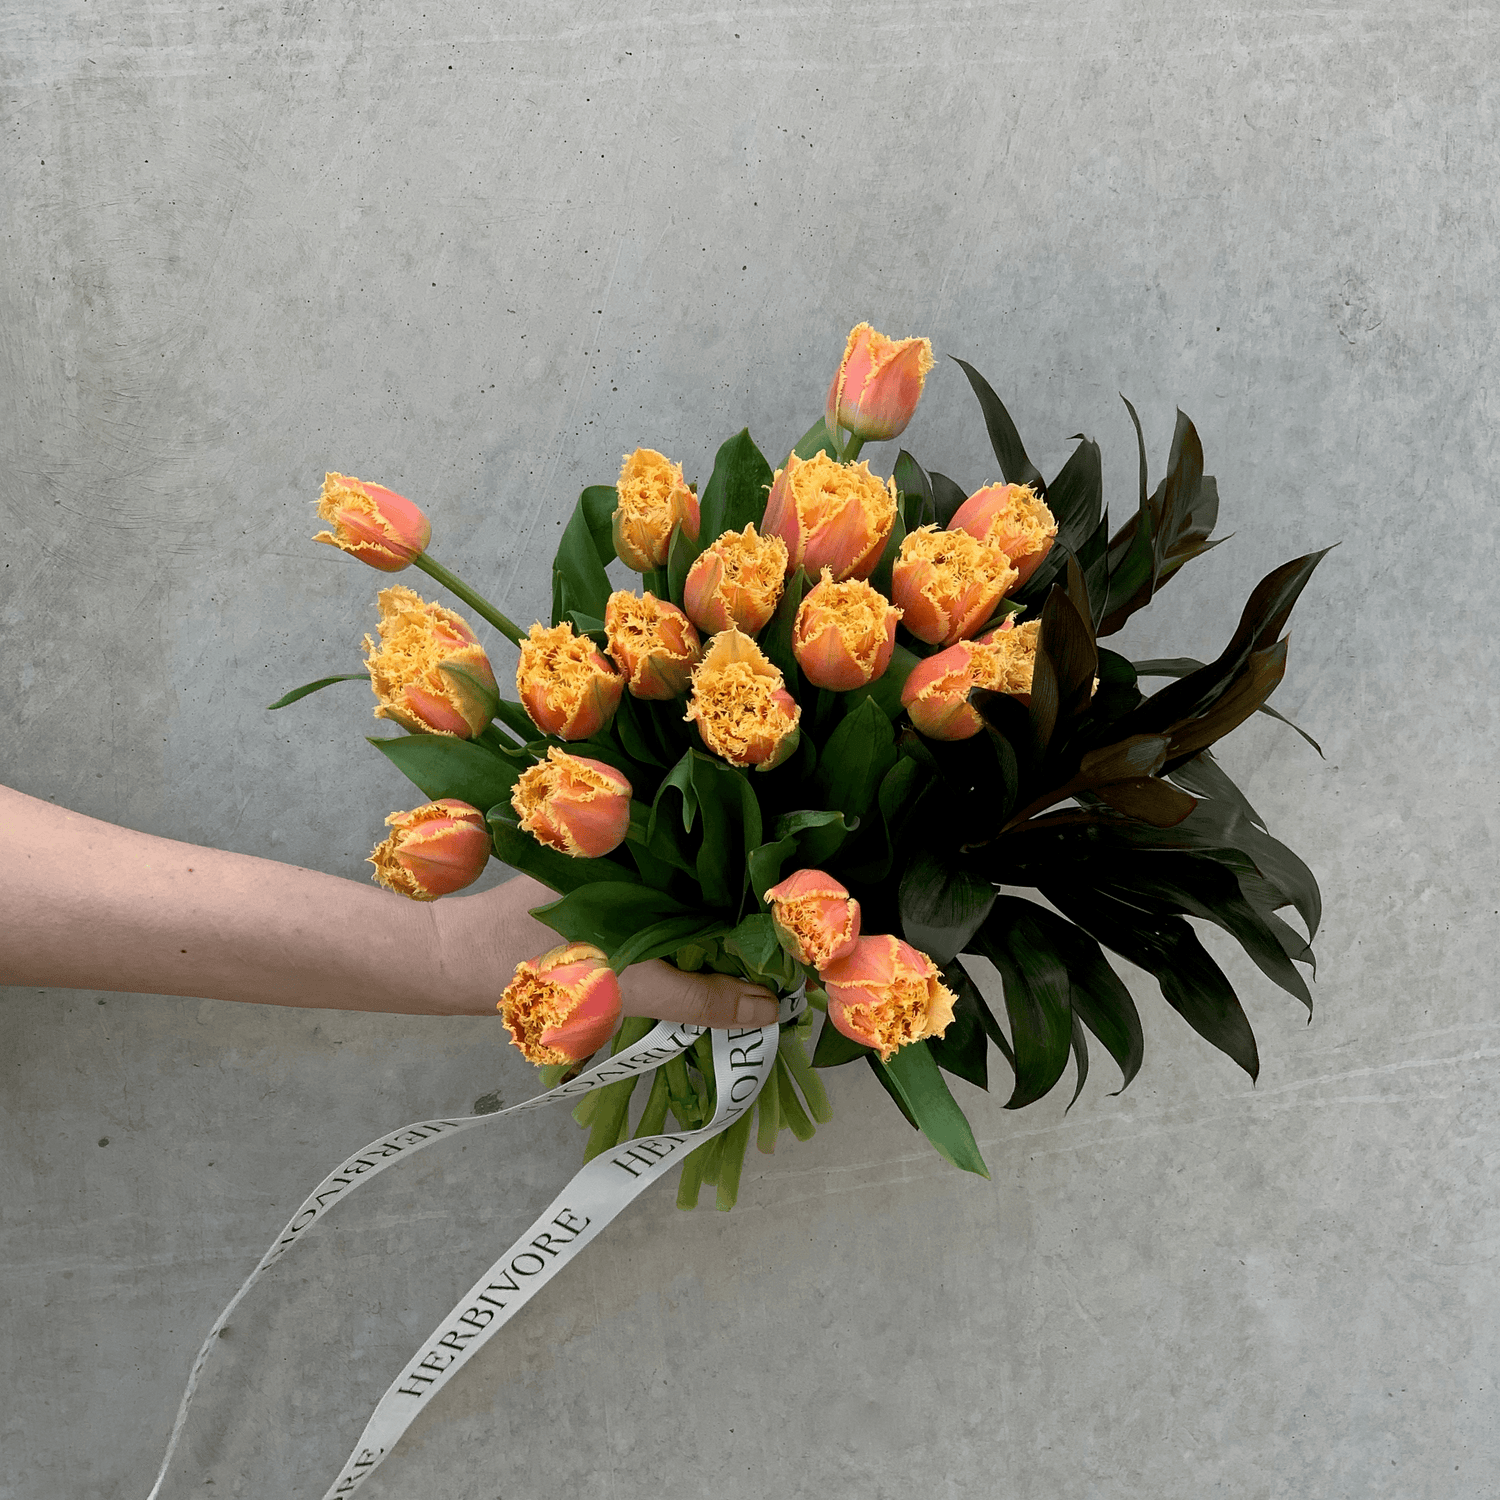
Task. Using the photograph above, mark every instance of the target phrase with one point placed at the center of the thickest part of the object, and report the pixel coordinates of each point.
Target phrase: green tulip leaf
(557, 871)
(855, 760)
(313, 687)
(444, 766)
(814, 441)
(914, 1073)
(916, 491)
(834, 1049)
(579, 581)
(947, 496)
(736, 492)
(610, 913)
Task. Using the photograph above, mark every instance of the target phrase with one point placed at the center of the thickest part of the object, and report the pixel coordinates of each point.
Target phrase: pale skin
(92, 906)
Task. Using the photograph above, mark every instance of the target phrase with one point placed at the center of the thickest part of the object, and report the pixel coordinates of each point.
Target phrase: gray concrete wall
(479, 251)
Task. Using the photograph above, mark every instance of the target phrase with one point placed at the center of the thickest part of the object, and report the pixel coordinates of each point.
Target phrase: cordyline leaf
(962, 1047)
(1004, 439)
(942, 903)
(1252, 685)
(1036, 995)
(1152, 801)
(947, 496)
(313, 687)
(1205, 777)
(1066, 662)
(1080, 1059)
(444, 766)
(1076, 496)
(1181, 666)
(971, 999)
(1191, 982)
(914, 1072)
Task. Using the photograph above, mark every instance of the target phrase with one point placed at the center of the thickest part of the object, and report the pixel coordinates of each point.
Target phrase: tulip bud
(830, 515)
(844, 634)
(937, 691)
(375, 524)
(429, 672)
(654, 498)
(435, 850)
(572, 804)
(948, 584)
(740, 704)
(1011, 519)
(885, 994)
(566, 686)
(736, 581)
(878, 384)
(562, 1006)
(815, 918)
(653, 643)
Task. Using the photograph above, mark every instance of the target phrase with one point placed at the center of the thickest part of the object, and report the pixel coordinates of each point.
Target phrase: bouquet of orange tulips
(838, 731)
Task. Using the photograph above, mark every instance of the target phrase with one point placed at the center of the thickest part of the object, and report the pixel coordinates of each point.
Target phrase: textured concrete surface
(477, 252)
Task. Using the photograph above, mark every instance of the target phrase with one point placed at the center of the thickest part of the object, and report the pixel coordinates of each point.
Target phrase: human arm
(89, 905)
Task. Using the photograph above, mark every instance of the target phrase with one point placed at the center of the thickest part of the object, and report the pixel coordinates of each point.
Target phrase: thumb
(714, 1000)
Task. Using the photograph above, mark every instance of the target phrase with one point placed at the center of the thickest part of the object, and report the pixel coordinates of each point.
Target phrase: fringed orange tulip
(575, 805)
(433, 850)
(815, 918)
(372, 523)
(878, 384)
(885, 994)
(937, 692)
(831, 515)
(653, 498)
(567, 687)
(844, 634)
(740, 704)
(653, 643)
(429, 672)
(1014, 520)
(736, 581)
(947, 584)
(562, 1006)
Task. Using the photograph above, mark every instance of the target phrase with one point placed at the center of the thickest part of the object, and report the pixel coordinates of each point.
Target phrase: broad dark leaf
(1152, 801)
(1080, 1046)
(912, 479)
(958, 979)
(947, 496)
(1036, 995)
(962, 1047)
(447, 767)
(1076, 496)
(942, 903)
(1205, 777)
(1166, 947)
(1181, 666)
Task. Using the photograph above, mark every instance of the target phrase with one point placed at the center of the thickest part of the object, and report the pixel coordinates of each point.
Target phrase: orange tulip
(948, 584)
(374, 524)
(844, 634)
(740, 704)
(653, 498)
(429, 672)
(573, 804)
(653, 643)
(878, 384)
(1011, 519)
(562, 1006)
(831, 515)
(937, 692)
(815, 918)
(736, 580)
(885, 994)
(436, 849)
(567, 687)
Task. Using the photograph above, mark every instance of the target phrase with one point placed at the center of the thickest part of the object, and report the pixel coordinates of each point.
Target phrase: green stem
(770, 1118)
(852, 447)
(732, 1162)
(613, 1110)
(791, 1051)
(480, 605)
(792, 1113)
(654, 1116)
(691, 1181)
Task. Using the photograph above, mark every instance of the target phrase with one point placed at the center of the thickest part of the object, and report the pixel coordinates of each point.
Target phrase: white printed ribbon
(743, 1060)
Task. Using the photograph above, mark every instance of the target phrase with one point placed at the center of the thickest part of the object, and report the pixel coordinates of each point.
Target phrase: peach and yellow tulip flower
(815, 918)
(653, 643)
(937, 692)
(372, 523)
(575, 805)
(433, 850)
(562, 1006)
(947, 584)
(878, 384)
(740, 704)
(563, 682)
(885, 994)
(429, 672)
(1014, 520)
(831, 515)
(736, 580)
(653, 498)
(844, 634)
